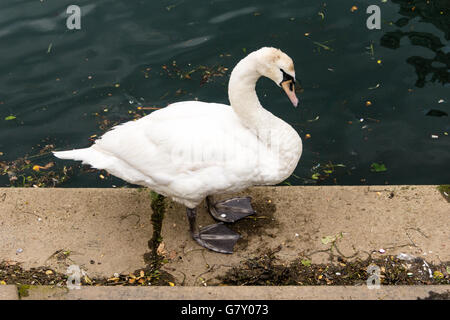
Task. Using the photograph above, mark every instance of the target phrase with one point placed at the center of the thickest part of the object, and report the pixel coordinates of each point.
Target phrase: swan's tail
(76, 154)
(87, 155)
(101, 159)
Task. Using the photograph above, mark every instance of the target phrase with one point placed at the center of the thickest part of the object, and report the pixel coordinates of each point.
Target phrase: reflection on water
(435, 12)
(371, 98)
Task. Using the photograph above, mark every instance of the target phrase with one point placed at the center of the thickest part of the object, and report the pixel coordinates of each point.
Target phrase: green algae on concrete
(158, 208)
(23, 290)
(445, 191)
(153, 258)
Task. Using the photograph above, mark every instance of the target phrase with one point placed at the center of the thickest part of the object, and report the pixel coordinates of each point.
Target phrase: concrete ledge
(236, 293)
(8, 292)
(106, 231)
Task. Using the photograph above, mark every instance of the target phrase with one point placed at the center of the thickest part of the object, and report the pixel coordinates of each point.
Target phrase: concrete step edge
(10, 292)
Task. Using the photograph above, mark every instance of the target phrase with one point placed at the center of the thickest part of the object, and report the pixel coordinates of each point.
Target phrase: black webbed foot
(230, 210)
(215, 237)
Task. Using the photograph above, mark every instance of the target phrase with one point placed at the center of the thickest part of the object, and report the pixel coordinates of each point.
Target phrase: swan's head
(279, 67)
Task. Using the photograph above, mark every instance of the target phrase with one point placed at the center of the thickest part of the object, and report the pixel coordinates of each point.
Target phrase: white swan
(192, 150)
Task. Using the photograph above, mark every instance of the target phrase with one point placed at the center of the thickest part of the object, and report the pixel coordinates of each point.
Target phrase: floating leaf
(47, 166)
(315, 176)
(315, 119)
(378, 167)
(323, 46)
(11, 117)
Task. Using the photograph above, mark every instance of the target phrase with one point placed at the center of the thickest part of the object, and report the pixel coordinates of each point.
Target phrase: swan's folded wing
(186, 143)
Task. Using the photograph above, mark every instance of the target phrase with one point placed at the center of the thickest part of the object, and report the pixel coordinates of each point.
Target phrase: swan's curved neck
(282, 140)
(242, 93)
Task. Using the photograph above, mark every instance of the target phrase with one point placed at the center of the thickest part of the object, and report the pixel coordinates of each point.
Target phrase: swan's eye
(287, 77)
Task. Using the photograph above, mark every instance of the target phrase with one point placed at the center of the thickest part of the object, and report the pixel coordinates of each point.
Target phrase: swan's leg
(215, 237)
(230, 210)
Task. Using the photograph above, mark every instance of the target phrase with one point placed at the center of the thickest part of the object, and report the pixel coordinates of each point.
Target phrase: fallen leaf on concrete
(328, 239)
(87, 280)
(113, 279)
(160, 251)
(306, 262)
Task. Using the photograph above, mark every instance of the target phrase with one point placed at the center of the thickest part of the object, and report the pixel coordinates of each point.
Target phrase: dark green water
(55, 80)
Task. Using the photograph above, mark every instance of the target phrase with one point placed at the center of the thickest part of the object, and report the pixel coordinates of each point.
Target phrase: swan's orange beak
(289, 87)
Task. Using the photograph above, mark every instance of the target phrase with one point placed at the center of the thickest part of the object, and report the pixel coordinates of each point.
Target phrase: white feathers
(192, 149)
